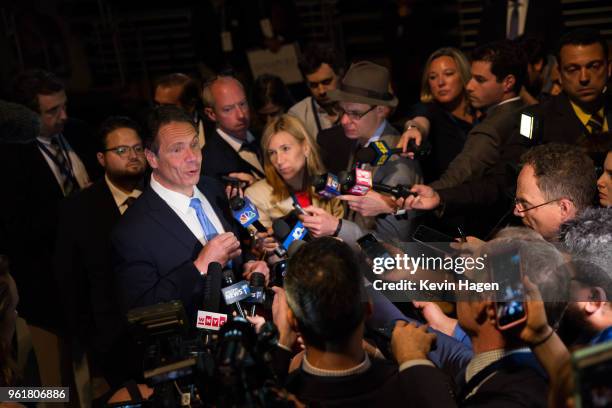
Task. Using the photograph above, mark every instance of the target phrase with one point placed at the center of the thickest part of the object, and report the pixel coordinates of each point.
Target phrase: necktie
(595, 123)
(248, 152)
(129, 201)
(65, 173)
(209, 229)
(514, 20)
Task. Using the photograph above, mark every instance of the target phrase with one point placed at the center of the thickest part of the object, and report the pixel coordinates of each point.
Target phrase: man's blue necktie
(209, 229)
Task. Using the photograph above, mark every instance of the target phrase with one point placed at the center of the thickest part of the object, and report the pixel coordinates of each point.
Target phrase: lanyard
(65, 170)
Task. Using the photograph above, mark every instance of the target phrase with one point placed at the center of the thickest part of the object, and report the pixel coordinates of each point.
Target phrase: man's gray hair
(588, 238)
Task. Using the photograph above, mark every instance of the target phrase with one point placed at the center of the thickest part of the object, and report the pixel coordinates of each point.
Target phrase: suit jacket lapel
(167, 218)
(222, 213)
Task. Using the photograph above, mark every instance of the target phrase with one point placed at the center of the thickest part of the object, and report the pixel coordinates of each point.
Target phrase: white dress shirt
(180, 205)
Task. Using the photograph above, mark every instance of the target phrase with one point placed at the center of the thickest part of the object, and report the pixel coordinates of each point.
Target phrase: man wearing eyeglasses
(556, 183)
(364, 99)
(82, 259)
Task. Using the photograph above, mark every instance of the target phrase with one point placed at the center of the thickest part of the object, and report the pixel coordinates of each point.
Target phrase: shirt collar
(482, 360)
(174, 199)
(358, 369)
(234, 142)
(118, 195)
(378, 133)
(584, 116)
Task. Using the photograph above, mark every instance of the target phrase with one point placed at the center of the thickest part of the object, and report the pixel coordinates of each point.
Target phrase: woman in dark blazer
(444, 117)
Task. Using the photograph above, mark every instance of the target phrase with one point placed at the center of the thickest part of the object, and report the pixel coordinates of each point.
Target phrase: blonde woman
(444, 116)
(291, 158)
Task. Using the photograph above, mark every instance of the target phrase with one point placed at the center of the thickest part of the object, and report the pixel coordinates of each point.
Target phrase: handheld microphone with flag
(233, 293)
(286, 235)
(355, 182)
(377, 153)
(258, 290)
(209, 318)
(326, 185)
(246, 213)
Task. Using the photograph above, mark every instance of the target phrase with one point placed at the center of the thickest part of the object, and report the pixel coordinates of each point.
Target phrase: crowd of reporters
(195, 189)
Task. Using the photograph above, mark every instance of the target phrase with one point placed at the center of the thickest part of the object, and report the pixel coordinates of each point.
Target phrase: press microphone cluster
(356, 182)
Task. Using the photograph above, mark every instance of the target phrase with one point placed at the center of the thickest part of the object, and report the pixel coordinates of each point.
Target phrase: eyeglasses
(123, 150)
(353, 115)
(520, 205)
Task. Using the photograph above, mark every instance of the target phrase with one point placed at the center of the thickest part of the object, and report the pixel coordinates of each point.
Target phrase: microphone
(212, 287)
(258, 292)
(18, 124)
(356, 182)
(246, 213)
(377, 153)
(285, 234)
(326, 185)
(233, 293)
(399, 191)
(210, 318)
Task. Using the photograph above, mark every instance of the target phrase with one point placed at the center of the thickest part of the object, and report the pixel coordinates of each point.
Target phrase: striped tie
(596, 124)
(65, 173)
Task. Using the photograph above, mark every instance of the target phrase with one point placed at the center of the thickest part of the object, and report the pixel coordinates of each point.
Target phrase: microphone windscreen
(365, 155)
(214, 278)
(281, 229)
(258, 280)
(237, 203)
(18, 124)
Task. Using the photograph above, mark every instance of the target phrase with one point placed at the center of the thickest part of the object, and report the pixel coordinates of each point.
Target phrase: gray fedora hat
(365, 82)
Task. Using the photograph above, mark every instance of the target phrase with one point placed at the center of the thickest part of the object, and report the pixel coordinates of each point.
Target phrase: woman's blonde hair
(463, 66)
(314, 164)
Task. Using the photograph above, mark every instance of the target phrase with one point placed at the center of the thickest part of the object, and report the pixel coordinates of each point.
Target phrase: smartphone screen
(372, 248)
(526, 126)
(433, 239)
(506, 270)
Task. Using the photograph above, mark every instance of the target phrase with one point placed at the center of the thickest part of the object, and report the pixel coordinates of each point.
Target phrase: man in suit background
(231, 150)
(37, 174)
(513, 18)
(364, 99)
(180, 224)
(582, 113)
(83, 250)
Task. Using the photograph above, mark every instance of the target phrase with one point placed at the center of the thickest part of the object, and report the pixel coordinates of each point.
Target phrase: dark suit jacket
(83, 266)
(513, 387)
(153, 250)
(557, 121)
(219, 159)
(544, 20)
(28, 222)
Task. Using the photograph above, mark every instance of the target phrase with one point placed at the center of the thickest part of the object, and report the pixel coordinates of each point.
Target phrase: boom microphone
(18, 124)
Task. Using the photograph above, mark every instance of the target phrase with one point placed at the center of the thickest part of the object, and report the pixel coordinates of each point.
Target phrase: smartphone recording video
(506, 270)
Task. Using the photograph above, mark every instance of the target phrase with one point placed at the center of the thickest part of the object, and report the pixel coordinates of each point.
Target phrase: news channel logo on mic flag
(298, 232)
(248, 214)
(236, 292)
(382, 152)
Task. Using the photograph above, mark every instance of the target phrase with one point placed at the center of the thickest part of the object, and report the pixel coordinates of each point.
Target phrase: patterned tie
(596, 124)
(514, 20)
(65, 173)
(209, 229)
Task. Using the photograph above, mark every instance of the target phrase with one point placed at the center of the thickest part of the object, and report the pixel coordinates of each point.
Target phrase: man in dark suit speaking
(179, 225)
